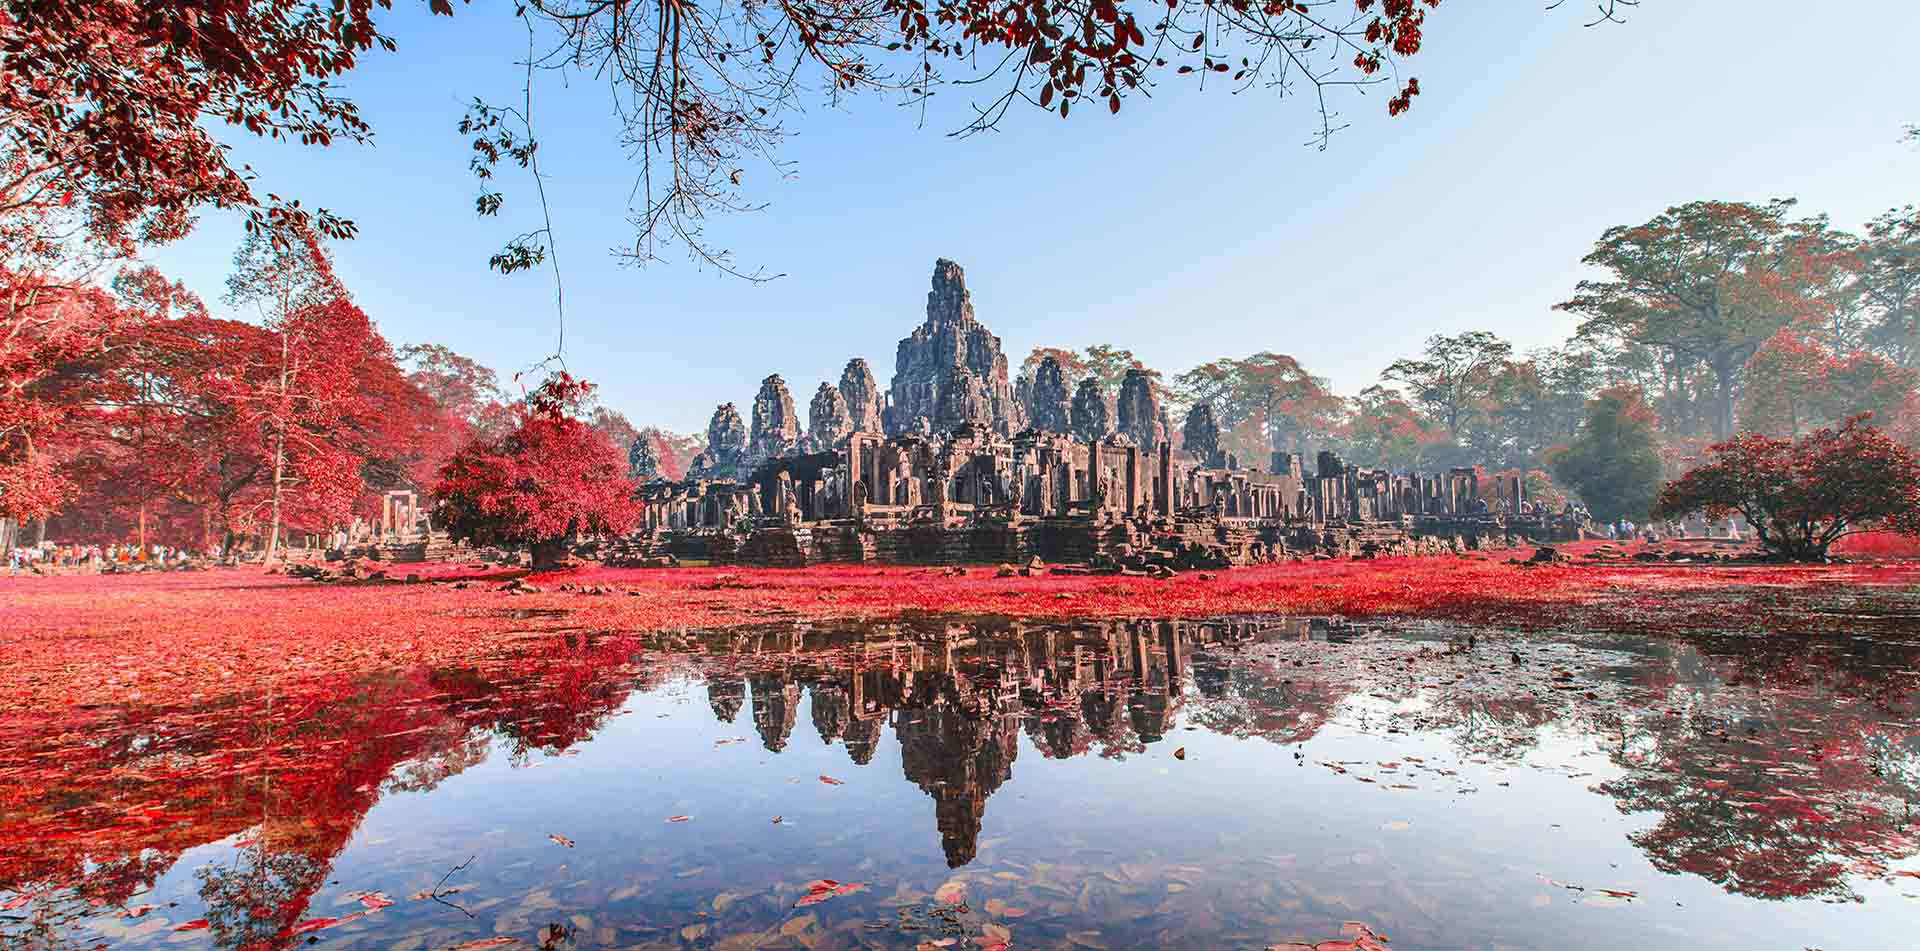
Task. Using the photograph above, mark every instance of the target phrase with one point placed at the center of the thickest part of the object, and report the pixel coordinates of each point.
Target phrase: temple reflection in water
(1702, 735)
(958, 695)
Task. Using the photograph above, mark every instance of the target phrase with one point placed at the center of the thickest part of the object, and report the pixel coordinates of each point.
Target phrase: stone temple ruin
(953, 463)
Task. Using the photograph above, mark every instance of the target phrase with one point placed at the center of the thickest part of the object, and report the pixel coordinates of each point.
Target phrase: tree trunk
(547, 554)
(279, 469)
(1723, 399)
(279, 445)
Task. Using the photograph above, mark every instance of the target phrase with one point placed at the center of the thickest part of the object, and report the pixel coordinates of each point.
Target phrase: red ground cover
(1878, 545)
(72, 642)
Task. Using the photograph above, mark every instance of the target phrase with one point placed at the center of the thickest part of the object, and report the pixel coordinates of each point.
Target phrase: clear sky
(1188, 227)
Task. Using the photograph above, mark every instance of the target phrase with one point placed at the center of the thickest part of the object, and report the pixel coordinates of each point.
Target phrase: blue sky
(1188, 227)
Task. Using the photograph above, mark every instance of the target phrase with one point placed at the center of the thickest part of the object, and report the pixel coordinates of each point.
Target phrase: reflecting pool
(977, 783)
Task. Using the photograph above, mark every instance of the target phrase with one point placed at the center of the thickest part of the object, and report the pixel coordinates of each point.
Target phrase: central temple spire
(950, 372)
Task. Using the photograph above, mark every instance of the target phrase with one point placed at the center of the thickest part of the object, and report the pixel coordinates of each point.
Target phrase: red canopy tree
(545, 483)
(127, 106)
(1796, 383)
(1803, 495)
(301, 393)
(126, 418)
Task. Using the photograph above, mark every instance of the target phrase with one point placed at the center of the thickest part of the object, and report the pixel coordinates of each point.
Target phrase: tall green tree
(1451, 378)
(1109, 364)
(1708, 282)
(1383, 429)
(1613, 463)
(1268, 395)
(1886, 276)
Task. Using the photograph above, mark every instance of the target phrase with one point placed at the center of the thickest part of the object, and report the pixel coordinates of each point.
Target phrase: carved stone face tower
(1052, 408)
(1201, 435)
(827, 418)
(726, 452)
(1137, 414)
(776, 430)
(950, 371)
(1090, 417)
(862, 395)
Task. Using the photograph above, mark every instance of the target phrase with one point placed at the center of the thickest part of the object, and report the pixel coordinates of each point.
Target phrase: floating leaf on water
(318, 924)
(829, 780)
(560, 840)
(475, 945)
(823, 889)
(950, 893)
(678, 818)
(1180, 753)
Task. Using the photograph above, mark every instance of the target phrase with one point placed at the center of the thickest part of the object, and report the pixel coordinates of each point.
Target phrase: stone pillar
(1133, 480)
(1163, 500)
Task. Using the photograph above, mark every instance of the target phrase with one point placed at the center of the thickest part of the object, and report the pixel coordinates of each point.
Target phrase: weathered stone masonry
(958, 475)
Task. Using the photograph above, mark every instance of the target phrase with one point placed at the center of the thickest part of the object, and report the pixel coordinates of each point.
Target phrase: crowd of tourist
(117, 557)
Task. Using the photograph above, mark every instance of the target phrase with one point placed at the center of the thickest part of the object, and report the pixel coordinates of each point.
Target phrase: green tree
(1796, 385)
(1613, 463)
(1268, 395)
(1886, 276)
(1455, 374)
(1384, 430)
(1709, 282)
(1109, 365)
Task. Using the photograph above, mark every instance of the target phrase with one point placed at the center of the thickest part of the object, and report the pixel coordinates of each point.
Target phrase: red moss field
(72, 642)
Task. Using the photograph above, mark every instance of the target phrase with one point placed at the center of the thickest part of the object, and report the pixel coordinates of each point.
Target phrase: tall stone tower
(1137, 413)
(950, 371)
(1201, 435)
(726, 452)
(1090, 417)
(827, 418)
(1051, 408)
(863, 396)
(776, 430)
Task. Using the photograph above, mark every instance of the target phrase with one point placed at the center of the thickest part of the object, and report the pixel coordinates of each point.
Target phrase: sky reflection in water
(1108, 785)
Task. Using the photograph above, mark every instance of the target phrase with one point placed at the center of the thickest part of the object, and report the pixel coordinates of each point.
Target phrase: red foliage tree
(111, 107)
(549, 480)
(1802, 495)
(459, 385)
(50, 336)
(1795, 383)
(121, 105)
(177, 427)
(296, 398)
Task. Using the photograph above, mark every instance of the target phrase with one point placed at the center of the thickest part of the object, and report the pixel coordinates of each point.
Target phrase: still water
(978, 783)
